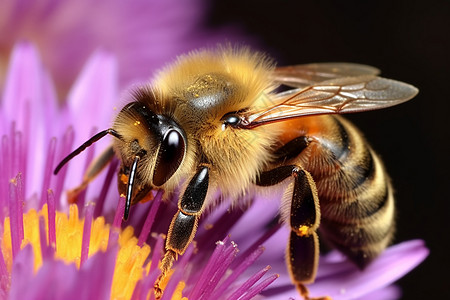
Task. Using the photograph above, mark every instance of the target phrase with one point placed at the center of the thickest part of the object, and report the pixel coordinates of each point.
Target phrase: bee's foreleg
(94, 169)
(184, 224)
(302, 253)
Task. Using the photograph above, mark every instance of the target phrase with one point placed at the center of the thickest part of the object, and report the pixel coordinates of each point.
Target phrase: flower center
(131, 262)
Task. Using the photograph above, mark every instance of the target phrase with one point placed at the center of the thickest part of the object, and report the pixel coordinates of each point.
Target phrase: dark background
(408, 41)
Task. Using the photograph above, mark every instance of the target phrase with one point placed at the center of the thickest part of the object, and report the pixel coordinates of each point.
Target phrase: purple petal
(4, 276)
(23, 85)
(119, 213)
(25, 100)
(255, 218)
(22, 273)
(247, 261)
(88, 214)
(58, 280)
(65, 147)
(390, 292)
(46, 250)
(112, 173)
(237, 294)
(95, 277)
(92, 98)
(395, 262)
(256, 290)
(142, 34)
(15, 225)
(157, 252)
(208, 269)
(222, 266)
(50, 157)
(345, 281)
(150, 218)
(95, 92)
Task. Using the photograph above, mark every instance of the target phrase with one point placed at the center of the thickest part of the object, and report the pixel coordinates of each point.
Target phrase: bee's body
(356, 201)
(213, 123)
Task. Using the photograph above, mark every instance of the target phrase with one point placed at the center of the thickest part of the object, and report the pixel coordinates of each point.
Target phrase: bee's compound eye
(170, 155)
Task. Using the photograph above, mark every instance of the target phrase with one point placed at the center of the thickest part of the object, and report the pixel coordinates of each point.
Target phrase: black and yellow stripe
(356, 196)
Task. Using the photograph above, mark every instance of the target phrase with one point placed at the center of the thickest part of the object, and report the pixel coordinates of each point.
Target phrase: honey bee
(217, 121)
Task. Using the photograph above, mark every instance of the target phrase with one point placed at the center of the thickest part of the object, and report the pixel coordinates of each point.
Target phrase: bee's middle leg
(303, 248)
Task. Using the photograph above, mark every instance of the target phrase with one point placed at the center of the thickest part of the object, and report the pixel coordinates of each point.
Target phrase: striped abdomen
(356, 198)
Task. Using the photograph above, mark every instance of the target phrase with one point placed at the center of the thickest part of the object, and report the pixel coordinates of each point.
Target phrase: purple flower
(30, 118)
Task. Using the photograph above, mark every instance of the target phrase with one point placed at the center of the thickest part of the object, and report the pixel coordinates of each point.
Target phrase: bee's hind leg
(302, 255)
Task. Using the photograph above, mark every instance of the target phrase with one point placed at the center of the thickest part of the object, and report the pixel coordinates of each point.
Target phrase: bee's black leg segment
(304, 217)
(293, 148)
(302, 256)
(305, 212)
(194, 196)
(130, 188)
(305, 203)
(181, 232)
(184, 224)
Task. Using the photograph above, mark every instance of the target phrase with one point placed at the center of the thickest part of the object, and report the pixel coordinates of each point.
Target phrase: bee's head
(156, 140)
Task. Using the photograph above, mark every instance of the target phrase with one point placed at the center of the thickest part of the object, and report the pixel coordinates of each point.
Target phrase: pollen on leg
(124, 178)
(303, 230)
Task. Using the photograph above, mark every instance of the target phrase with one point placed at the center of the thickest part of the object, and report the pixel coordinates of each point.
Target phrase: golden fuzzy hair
(237, 156)
(251, 70)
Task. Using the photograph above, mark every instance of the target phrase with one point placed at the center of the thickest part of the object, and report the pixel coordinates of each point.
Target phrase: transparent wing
(340, 95)
(300, 76)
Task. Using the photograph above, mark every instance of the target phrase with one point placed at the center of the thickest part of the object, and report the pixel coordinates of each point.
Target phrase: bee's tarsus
(165, 266)
(303, 290)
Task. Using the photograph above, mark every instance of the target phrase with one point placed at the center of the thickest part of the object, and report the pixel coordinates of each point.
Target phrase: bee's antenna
(85, 145)
(130, 187)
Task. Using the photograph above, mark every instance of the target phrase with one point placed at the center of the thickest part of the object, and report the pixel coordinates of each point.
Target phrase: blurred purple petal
(390, 292)
(94, 93)
(341, 280)
(25, 99)
(22, 86)
(395, 262)
(22, 273)
(93, 99)
(95, 277)
(58, 280)
(142, 34)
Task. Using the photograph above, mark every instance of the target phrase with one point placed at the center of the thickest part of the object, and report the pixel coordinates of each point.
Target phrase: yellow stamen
(131, 258)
